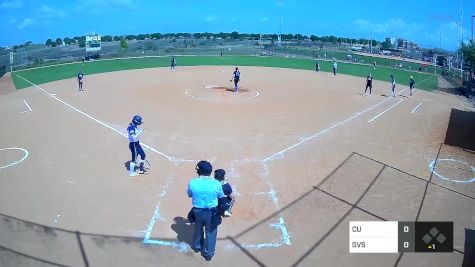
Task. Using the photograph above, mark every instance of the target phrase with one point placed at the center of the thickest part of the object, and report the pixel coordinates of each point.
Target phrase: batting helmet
(137, 120)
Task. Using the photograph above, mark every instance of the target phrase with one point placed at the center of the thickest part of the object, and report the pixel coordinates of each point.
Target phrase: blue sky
(419, 20)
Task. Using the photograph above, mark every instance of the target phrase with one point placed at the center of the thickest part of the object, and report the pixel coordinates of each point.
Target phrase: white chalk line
(18, 161)
(280, 153)
(182, 247)
(170, 158)
(28, 106)
(414, 110)
(257, 94)
(285, 238)
(380, 114)
(433, 169)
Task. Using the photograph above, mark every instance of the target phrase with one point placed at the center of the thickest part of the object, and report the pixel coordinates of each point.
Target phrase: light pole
(371, 44)
(473, 16)
(461, 33)
(440, 40)
(278, 23)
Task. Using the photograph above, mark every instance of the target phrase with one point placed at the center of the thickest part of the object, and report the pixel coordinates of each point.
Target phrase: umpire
(205, 192)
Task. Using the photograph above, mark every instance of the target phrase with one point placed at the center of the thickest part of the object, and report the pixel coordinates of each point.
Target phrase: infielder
(80, 80)
(236, 77)
(393, 86)
(411, 85)
(134, 133)
(334, 67)
(172, 63)
(317, 66)
(369, 84)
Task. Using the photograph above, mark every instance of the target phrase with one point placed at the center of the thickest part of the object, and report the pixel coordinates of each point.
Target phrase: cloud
(11, 4)
(25, 23)
(98, 6)
(210, 18)
(49, 12)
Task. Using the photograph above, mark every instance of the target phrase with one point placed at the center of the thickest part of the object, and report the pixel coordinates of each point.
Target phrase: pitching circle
(18, 161)
(194, 91)
(433, 169)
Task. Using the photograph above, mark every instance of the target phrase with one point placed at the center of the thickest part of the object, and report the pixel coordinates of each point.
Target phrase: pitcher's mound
(221, 93)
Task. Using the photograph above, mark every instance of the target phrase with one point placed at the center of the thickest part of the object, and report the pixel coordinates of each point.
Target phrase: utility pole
(440, 40)
(473, 16)
(371, 44)
(278, 23)
(461, 33)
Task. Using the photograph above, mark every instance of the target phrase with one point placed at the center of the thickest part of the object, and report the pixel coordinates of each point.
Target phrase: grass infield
(59, 72)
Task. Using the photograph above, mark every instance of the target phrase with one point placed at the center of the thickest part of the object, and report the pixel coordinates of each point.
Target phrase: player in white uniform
(133, 134)
(393, 86)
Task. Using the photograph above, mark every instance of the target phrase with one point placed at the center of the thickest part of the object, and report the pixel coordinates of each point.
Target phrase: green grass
(53, 73)
(367, 59)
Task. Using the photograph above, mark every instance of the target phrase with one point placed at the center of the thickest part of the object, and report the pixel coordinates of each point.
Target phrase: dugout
(461, 130)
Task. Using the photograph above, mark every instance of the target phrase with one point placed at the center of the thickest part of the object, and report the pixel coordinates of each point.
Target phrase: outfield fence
(24, 59)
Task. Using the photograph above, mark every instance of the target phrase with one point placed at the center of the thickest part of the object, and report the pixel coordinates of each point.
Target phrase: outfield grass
(53, 73)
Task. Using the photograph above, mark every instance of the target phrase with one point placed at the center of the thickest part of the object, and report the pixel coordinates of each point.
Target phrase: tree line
(80, 40)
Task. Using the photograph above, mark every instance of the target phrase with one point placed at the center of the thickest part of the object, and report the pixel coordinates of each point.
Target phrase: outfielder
(134, 133)
(334, 67)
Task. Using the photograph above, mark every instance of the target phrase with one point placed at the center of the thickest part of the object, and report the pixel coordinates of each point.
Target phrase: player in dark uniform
(225, 204)
(172, 63)
(80, 80)
(133, 134)
(393, 86)
(317, 66)
(369, 84)
(236, 77)
(411, 85)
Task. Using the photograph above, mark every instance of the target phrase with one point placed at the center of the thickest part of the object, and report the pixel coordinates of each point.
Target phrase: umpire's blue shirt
(205, 192)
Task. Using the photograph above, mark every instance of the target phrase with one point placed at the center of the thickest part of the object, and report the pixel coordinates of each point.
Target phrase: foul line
(170, 158)
(280, 153)
(414, 110)
(377, 116)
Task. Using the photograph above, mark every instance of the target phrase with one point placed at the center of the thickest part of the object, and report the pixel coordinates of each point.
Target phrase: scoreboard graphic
(395, 237)
(93, 42)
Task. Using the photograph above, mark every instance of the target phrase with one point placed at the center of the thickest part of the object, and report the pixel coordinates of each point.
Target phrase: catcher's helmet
(219, 174)
(204, 168)
(137, 120)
